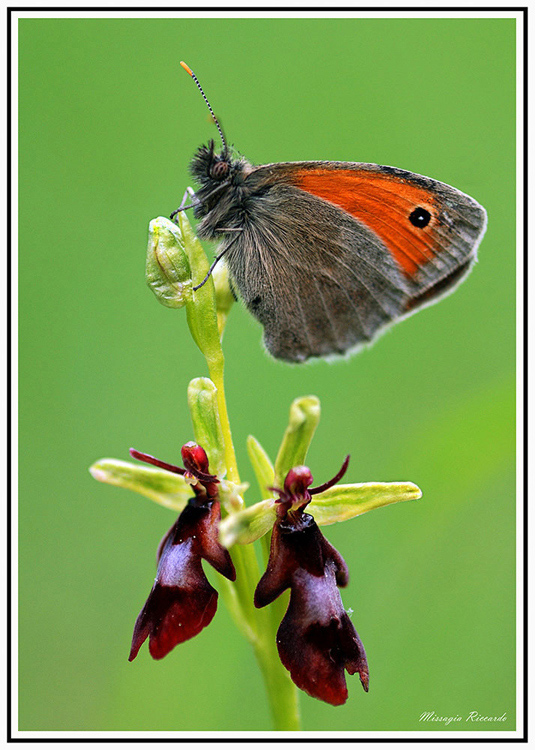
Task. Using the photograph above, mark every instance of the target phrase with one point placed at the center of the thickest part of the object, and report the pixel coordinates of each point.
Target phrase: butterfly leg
(195, 202)
(216, 261)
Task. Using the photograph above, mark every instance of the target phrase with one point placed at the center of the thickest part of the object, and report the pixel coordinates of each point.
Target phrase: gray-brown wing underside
(319, 281)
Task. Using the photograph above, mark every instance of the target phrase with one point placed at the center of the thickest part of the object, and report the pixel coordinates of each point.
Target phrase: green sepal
(344, 501)
(249, 524)
(262, 466)
(339, 503)
(165, 488)
(167, 269)
(202, 402)
(201, 308)
(304, 418)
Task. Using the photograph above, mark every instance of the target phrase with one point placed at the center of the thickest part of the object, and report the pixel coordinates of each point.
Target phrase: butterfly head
(216, 173)
(210, 168)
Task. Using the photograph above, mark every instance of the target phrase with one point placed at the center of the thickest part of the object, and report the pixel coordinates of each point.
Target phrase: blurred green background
(108, 124)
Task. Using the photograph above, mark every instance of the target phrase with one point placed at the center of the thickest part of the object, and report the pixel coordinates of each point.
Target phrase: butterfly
(327, 254)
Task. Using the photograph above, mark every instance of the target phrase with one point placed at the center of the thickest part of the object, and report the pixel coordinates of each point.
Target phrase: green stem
(258, 625)
(216, 370)
(281, 692)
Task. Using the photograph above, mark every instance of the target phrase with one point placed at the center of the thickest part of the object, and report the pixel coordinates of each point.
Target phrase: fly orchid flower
(182, 601)
(316, 639)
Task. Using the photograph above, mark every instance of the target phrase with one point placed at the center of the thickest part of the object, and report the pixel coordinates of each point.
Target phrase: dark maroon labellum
(316, 639)
(182, 601)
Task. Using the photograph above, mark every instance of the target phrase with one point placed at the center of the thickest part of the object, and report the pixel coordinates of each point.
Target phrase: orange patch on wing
(383, 202)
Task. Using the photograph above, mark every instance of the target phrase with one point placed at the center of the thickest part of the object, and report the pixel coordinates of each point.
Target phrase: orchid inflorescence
(316, 639)
(311, 641)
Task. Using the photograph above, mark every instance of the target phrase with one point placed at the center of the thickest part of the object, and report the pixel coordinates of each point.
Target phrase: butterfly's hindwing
(318, 280)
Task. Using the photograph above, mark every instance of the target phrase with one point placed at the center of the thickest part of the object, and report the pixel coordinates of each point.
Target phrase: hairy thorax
(223, 204)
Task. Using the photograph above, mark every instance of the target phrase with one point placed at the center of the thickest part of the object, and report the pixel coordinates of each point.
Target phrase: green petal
(167, 269)
(263, 468)
(304, 418)
(345, 501)
(248, 525)
(202, 402)
(165, 488)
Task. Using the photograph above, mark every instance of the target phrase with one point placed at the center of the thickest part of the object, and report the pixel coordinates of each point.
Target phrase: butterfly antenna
(192, 74)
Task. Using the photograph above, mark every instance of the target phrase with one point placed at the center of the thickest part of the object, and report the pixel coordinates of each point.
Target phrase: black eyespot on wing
(420, 218)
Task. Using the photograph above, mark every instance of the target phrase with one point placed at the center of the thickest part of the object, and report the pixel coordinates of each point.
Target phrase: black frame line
(448, 737)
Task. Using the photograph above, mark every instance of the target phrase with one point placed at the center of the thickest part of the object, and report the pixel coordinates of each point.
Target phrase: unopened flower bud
(168, 270)
(202, 402)
(304, 418)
